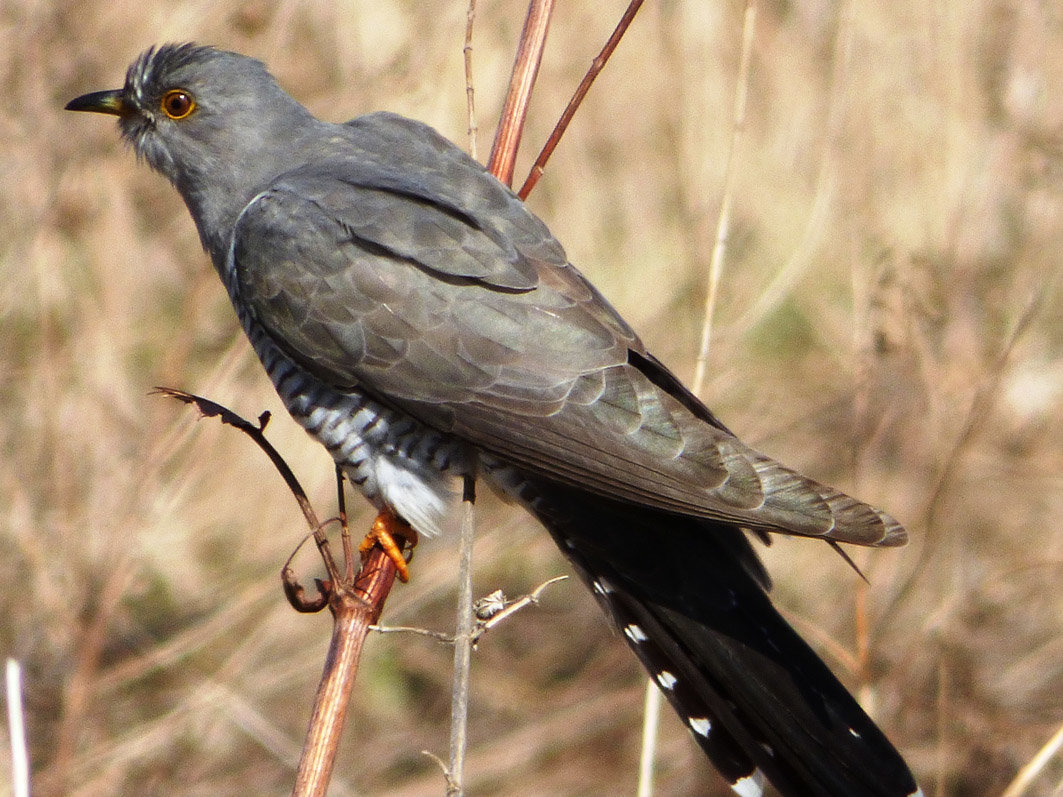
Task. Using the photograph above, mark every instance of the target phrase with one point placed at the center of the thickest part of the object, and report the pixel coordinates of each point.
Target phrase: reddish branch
(355, 603)
(211, 409)
(581, 91)
(354, 608)
(525, 70)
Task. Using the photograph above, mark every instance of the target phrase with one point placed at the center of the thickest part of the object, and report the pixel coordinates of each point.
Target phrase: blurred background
(887, 322)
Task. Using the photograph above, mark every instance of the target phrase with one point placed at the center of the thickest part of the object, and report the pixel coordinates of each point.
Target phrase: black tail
(690, 597)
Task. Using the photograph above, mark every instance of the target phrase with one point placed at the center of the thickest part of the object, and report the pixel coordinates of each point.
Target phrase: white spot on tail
(602, 587)
(750, 785)
(666, 679)
(700, 726)
(635, 633)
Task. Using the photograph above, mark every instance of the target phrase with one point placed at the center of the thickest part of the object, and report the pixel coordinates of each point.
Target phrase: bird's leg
(385, 529)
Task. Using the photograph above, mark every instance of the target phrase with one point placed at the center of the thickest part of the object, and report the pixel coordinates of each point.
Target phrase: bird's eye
(177, 103)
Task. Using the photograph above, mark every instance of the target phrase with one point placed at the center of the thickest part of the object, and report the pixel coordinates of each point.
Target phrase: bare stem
(597, 65)
(652, 713)
(20, 762)
(470, 94)
(723, 222)
(1035, 765)
(463, 639)
(525, 70)
(353, 611)
(651, 716)
(354, 606)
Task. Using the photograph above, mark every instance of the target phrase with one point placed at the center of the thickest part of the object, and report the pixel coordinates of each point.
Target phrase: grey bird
(422, 324)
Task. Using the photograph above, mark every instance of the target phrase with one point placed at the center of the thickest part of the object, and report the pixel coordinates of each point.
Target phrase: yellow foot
(384, 531)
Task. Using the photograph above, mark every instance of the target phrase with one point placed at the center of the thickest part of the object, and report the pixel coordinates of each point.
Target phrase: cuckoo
(424, 325)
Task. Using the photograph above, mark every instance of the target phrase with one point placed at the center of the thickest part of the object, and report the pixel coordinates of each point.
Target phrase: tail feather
(689, 597)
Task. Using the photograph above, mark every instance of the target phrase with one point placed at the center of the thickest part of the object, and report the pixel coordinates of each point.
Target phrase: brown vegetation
(888, 321)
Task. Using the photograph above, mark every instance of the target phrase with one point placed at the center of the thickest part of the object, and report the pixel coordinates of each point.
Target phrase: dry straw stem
(723, 219)
(16, 725)
(653, 702)
(470, 92)
(463, 642)
(1030, 772)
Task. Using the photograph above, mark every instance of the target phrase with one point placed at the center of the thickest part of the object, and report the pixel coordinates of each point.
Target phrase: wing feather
(445, 296)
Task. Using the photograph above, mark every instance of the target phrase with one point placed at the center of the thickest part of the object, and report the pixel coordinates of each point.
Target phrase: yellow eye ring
(177, 103)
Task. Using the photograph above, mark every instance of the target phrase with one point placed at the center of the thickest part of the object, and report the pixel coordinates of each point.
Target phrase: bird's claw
(393, 534)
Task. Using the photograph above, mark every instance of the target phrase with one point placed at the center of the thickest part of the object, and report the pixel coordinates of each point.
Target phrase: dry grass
(888, 321)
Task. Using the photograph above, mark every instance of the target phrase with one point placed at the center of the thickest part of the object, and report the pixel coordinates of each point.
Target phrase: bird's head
(215, 123)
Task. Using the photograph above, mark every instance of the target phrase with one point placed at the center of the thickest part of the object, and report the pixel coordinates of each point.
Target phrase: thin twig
(459, 704)
(20, 762)
(439, 636)
(723, 222)
(354, 606)
(525, 70)
(651, 715)
(470, 99)
(1033, 768)
(652, 705)
(581, 91)
(211, 409)
(345, 530)
(510, 609)
(440, 763)
(482, 625)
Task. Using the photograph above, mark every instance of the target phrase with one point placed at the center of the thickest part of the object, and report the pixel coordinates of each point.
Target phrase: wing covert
(462, 310)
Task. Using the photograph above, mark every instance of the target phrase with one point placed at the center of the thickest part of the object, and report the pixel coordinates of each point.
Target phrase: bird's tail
(690, 598)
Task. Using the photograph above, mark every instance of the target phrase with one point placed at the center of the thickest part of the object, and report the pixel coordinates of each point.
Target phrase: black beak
(112, 102)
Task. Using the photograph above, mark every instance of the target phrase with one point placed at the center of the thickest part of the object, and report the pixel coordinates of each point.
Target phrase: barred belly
(395, 461)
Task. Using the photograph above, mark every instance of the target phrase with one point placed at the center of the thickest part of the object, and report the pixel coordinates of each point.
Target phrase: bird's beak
(112, 102)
